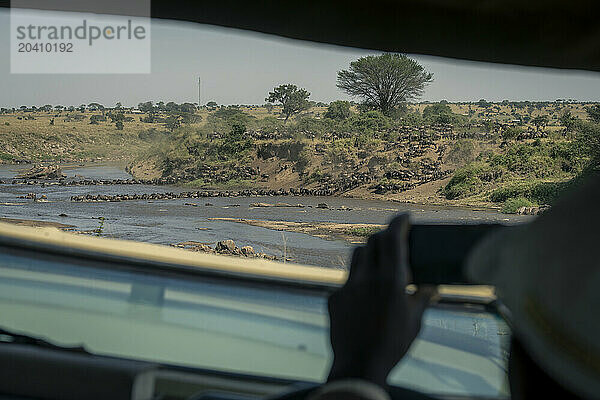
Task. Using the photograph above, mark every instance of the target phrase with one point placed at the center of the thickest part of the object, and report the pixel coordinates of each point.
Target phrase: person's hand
(373, 320)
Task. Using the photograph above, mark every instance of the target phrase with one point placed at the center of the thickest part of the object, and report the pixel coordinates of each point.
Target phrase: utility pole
(199, 92)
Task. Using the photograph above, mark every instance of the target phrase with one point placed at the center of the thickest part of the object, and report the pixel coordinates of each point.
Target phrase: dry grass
(502, 112)
(37, 140)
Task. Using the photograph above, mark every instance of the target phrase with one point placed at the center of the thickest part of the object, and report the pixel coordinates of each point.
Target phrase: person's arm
(373, 319)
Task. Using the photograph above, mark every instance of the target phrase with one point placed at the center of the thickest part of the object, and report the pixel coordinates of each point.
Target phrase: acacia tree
(292, 98)
(384, 82)
(540, 121)
(172, 123)
(338, 110)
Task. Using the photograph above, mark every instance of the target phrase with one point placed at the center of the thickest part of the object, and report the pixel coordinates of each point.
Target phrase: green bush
(369, 122)
(535, 192)
(363, 231)
(436, 109)
(538, 159)
(305, 126)
(466, 181)
(440, 113)
(512, 133)
(412, 119)
(235, 142)
(366, 142)
(224, 119)
(96, 119)
(338, 110)
(512, 205)
(502, 194)
(6, 156)
(458, 190)
(270, 125)
(587, 140)
(548, 192)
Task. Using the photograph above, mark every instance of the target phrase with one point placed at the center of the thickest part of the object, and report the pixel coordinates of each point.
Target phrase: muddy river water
(172, 221)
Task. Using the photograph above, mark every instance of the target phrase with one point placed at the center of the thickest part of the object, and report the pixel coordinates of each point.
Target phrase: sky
(238, 67)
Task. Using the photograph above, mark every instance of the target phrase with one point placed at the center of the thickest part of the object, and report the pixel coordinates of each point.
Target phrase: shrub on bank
(512, 205)
(535, 192)
(538, 159)
(504, 193)
(537, 171)
(363, 231)
(303, 161)
(548, 192)
(270, 125)
(467, 181)
(6, 156)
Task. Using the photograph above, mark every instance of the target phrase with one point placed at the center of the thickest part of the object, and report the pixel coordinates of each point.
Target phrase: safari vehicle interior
(195, 326)
(95, 318)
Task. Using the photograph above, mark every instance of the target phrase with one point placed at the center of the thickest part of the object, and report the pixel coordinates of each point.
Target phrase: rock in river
(225, 246)
(248, 251)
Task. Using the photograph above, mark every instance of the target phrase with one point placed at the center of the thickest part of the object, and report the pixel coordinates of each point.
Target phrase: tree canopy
(338, 110)
(292, 98)
(439, 113)
(593, 112)
(436, 109)
(384, 82)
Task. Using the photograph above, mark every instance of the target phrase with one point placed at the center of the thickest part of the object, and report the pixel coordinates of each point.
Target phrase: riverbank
(424, 195)
(315, 230)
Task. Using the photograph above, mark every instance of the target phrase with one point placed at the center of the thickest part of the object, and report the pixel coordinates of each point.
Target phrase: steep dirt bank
(280, 174)
(144, 169)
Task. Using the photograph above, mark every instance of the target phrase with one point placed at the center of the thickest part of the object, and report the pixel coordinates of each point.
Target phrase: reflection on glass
(231, 326)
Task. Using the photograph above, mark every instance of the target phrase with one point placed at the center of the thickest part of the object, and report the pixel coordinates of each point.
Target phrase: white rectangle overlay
(68, 42)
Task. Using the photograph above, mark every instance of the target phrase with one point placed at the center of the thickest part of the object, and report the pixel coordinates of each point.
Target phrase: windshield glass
(244, 328)
(226, 142)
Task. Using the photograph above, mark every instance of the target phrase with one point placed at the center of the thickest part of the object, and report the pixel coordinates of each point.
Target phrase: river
(171, 221)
